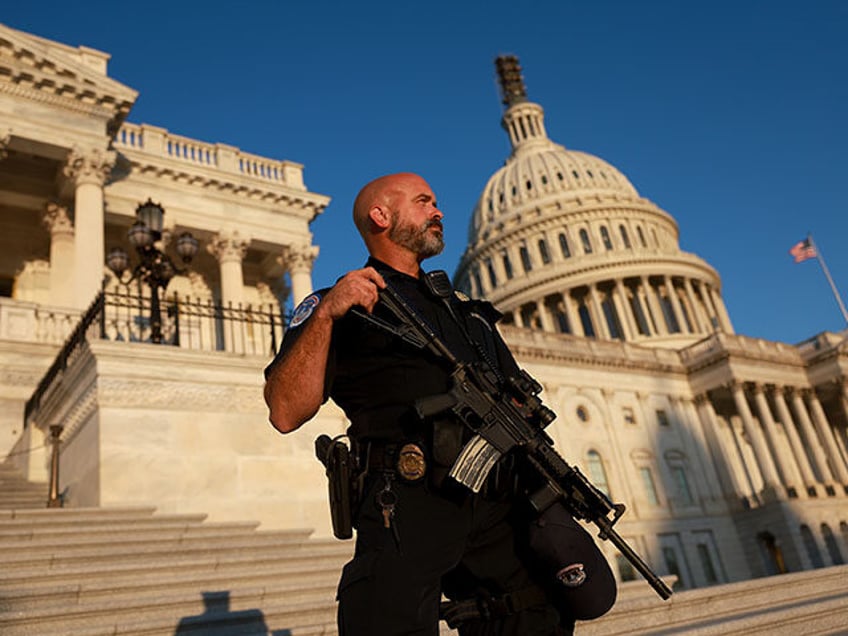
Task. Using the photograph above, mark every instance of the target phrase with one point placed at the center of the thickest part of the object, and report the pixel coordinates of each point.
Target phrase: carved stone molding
(298, 258)
(5, 140)
(228, 247)
(56, 219)
(199, 397)
(89, 166)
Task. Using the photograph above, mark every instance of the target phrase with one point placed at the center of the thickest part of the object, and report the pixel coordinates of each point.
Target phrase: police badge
(411, 464)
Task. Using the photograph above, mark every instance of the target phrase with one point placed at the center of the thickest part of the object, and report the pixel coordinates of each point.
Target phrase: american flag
(802, 250)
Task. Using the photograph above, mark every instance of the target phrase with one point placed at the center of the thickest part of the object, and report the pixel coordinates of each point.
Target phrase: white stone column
(545, 317)
(675, 304)
(763, 457)
(298, 259)
(622, 308)
(229, 248)
(801, 459)
(573, 316)
(89, 170)
(655, 309)
(5, 140)
(810, 437)
(701, 325)
(840, 471)
(708, 473)
(601, 329)
(721, 452)
(721, 311)
(62, 290)
(772, 437)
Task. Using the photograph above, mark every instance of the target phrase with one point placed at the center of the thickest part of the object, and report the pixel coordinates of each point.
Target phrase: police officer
(419, 534)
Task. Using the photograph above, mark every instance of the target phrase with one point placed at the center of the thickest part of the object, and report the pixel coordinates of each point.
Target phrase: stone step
(284, 564)
(70, 546)
(646, 615)
(107, 530)
(173, 552)
(186, 584)
(53, 514)
(296, 603)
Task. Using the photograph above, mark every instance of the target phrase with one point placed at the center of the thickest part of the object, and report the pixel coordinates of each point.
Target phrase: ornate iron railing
(186, 323)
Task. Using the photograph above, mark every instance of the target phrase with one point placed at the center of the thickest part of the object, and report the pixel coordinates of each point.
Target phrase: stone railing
(741, 346)
(159, 143)
(31, 322)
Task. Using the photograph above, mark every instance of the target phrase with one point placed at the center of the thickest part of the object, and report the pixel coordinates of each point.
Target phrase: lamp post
(155, 267)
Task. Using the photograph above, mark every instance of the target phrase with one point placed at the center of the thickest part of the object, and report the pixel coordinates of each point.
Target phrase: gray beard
(418, 240)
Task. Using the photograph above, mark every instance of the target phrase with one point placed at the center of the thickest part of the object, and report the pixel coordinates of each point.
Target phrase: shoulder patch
(304, 310)
(461, 296)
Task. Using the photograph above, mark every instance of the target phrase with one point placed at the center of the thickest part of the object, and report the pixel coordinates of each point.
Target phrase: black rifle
(504, 418)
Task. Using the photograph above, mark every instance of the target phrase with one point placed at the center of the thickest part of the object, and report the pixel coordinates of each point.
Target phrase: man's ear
(380, 216)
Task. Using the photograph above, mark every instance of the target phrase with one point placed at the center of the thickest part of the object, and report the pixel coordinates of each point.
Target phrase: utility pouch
(335, 455)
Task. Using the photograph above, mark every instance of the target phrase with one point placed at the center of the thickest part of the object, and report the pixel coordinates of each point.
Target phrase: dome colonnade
(561, 241)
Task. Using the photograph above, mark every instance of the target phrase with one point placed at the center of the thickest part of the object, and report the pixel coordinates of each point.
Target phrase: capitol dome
(560, 240)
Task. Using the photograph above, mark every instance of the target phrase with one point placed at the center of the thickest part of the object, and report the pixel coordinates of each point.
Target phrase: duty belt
(487, 608)
(406, 459)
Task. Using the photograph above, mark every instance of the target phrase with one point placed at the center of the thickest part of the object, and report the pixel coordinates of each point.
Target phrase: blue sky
(731, 116)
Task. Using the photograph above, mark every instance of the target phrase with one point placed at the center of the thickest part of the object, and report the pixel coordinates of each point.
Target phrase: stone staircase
(93, 572)
(17, 493)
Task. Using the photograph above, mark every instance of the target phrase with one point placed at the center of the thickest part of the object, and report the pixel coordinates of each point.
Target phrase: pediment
(67, 77)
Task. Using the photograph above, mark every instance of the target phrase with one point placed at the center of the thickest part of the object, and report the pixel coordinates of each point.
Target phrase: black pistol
(335, 455)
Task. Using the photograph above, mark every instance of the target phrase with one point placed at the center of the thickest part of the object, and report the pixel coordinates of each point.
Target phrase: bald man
(419, 533)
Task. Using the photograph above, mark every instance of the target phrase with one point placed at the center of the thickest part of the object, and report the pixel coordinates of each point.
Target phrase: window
(597, 474)
(605, 237)
(587, 244)
(585, 319)
(628, 415)
(507, 266)
(639, 313)
(684, 493)
(543, 251)
(525, 258)
(563, 246)
(812, 549)
(490, 268)
(611, 316)
(582, 414)
(641, 236)
(478, 283)
(672, 566)
(831, 545)
(648, 484)
(662, 418)
(625, 568)
(624, 238)
(668, 314)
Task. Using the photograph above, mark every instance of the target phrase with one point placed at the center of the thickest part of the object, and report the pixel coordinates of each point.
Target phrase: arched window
(831, 545)
(597, 474)
(812, 549)
(641, 236)
(563, 246)
(587, 244)
(605, 237)
(649, 486)
(585, 319)
(524, 253)
(624, 237)
(490, 268)
(507, 265)
(543, 251)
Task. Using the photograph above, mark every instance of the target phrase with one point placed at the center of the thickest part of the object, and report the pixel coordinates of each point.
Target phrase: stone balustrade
(31, 322)
(158, 142)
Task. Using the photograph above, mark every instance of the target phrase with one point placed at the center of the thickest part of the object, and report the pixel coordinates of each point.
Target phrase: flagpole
(829, 278)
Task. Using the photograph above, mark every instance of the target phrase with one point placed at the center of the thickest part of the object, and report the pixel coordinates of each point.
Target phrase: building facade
(730, 451)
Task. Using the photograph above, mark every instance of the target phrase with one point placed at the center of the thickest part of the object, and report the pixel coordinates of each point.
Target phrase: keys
(387, 500)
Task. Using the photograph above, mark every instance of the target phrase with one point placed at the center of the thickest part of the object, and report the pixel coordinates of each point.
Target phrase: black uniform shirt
(375, 377)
